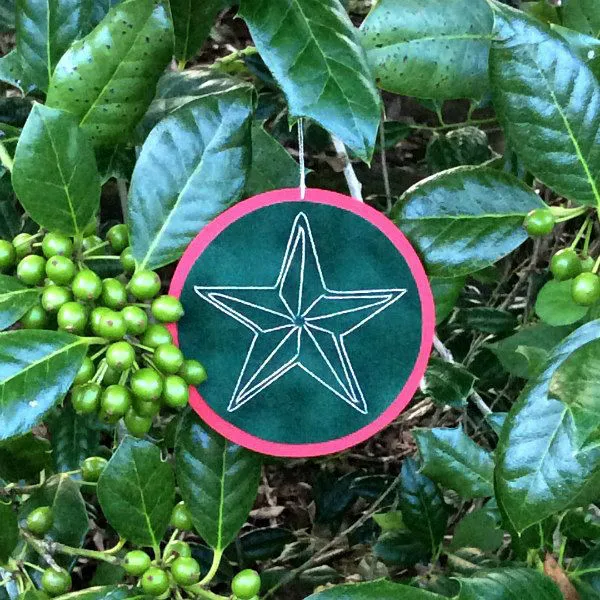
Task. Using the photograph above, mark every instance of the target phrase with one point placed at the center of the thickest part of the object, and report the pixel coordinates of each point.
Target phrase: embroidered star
(298, 322)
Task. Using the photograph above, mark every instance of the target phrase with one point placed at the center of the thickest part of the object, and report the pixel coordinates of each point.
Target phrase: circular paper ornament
(314, 319)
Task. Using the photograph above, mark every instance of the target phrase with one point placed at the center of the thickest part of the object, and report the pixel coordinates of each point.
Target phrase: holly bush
(126, 127)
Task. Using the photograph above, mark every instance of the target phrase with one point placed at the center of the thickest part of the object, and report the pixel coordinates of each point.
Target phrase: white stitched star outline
(299, 322)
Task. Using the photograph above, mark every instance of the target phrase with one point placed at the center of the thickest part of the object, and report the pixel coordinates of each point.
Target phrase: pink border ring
(387, 227)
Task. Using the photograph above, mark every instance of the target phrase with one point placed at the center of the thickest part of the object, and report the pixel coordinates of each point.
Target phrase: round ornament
(313, 317)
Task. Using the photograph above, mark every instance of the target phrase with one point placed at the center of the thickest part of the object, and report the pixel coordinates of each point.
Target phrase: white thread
(301, 156)
(287, 334)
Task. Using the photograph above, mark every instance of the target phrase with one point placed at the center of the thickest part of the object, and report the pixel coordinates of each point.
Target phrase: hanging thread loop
(301, 157)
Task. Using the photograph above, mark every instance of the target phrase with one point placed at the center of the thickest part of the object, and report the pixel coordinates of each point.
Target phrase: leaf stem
(214, 567)
(6, 158)
(119, 545)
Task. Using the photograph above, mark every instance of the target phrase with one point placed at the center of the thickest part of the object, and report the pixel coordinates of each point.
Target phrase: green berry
(32, 269)
(22, 244)
(39, 520)
(175, 392)
(136, 320)
(56, 244)
(111, 326)
(178, 549)
(539, 221)
(147, 384)
(185, 571)
(111, 376)
(565, 264)
(85, 398)
(167, 309)
(136, 563)
(118, 236)
(120, 356)
(156, 335)
(72, 317)
(144, 285)
(181, 517)
(587, 264)
(8, 256)
(146, 408)
(127, 260)
(137, 425)
(92, 468)
(193, 372)
(86, 371)
(96, 315)
(246, 584)
(61, 270)
(55, 582)
(87, 285)
(114, 294)
(35, 318)
(155, 581)
(585, 289)
(168, 358)
(54, 296)
(115, 402)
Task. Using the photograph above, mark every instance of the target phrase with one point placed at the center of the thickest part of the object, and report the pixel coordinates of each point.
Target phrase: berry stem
(94, 248)
(124, 376)
(596, 266)
(99, 376)
(117, 547)
(562, 214)
(588, 237)
(101, 257)
(99, 353)
(580, 233)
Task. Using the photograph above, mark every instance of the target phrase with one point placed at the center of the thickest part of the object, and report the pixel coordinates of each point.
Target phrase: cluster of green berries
(138, 370)
(567, 264)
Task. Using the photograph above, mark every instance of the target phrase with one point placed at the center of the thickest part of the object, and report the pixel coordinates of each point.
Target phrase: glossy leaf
(192, 22)
(15, 300)
(486, 319)
(24, 457)
(217, 479)
(555, 306)
(465, 219)
(463, 146)
(500, 584)
(45, 30)
(446, 291)
(265, 543)
(422, 505)
(438, 49)
(55, 174)
(37, 368)
(13, 73)
(401, 549)
(272, 166)
(70, 523)
(543, 466)
(9, 532)
(107, 592)
(374, 590)
(585, 46)
(73, 439)
(549, 103)
(455, 461)
(192, 166)
(478, 529)
(583, 16)
(137, 492)
(108, 78)
(314, 53)
(447, 383)
(97, 10)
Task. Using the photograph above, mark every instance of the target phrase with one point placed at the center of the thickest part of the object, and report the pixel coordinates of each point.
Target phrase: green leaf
(55, 174)
(192, 167)
(478, 530)
(272, 166)
(12, 72)
(496, 421)
(455, 461)
(9, 532)
(192, 22)
(45, 30)
(314, 53)
(7, 15)
(463, 146)
(555, 132)
(37, 368)
(265, 543)
(217, 479)
(583, 16)
(581, 524)
(107, 592)
(438, 49)
(15, 300)
(465, 219)
(487, 319)
(499, 584)
(390, 521)
(586, 47)
(422, 505)
(446, 291)
(73, 439)
(137, 492)
(70, 524)
(374, 590)
(97, 10)
(447, 383)
(23, 457)
(538, 336)
(542, 466)
(556, 307)
(108, 78)
(401, 549)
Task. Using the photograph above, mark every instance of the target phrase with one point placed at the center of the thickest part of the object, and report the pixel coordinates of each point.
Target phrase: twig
(354, 185)
(384, 169)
